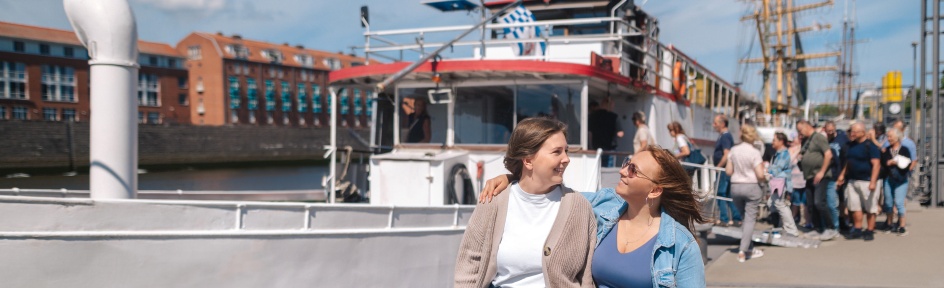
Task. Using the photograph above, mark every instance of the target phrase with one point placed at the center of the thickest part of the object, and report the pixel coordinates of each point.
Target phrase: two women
(538, 233)
(644, 225)
(746, 169)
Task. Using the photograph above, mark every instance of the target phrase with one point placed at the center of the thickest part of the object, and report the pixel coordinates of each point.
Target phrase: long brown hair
(678, 199)
(676, 127)
(527, 139)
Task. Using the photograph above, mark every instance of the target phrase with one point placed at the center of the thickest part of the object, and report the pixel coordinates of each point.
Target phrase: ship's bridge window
(558, 101)
(484, 114)
(416, 113)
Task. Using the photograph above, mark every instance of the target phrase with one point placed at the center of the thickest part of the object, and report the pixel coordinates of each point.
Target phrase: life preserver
(679, 80)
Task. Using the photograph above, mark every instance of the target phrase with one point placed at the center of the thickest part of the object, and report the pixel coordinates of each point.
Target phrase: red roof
(288, 52)
(43, 34)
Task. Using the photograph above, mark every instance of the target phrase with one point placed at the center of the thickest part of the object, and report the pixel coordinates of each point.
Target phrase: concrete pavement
(915, 260)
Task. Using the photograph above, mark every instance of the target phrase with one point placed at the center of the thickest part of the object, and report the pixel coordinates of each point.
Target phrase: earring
(650, 210)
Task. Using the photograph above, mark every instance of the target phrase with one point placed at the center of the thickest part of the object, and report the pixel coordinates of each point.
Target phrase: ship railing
(654, 68)
(315, 195)
(218, 218)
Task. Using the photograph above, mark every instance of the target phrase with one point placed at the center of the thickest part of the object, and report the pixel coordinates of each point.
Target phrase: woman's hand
(493, 187)
(891, 162)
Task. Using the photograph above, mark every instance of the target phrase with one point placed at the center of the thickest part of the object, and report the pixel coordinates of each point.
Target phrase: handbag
(694, 155)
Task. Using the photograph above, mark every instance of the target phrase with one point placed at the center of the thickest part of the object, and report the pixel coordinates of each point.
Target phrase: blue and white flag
(522, 15)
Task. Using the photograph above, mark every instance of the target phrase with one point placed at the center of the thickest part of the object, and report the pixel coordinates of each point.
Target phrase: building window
(252, 118)
(20, 113)
(172, 63)
(19, 46)
(285, 118)
(270, 117)
(58, 83)
(252, 94)
(182, 99)
(68, 51)
(332, 63)
(344, 104)
(301, 120)
(148, 90)
(182, 82)
(357, 103)
(315, 99)
(50, 114)
(3, 112)
(193, 53)
(302, 99)
(154, 118)
(286, 97)
(233, 92)
(68, 115)
(239, 51)
(305, 61)
(269, 96)
(370, 108)
(234, 116)
(12, 80)
(274, 56)
(44, 49)
(140, 117)
(152, 60)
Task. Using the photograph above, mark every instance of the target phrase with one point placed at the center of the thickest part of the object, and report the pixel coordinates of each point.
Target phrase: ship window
(558, 101)
(486, 115)
(409, 97)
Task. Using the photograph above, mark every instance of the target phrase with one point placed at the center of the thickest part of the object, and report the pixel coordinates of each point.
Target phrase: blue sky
(708, 30)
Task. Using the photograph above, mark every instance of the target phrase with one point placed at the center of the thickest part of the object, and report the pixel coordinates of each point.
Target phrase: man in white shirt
(642, 137)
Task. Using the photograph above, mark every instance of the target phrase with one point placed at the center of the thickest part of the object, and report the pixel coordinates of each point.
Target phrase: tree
(826, 109)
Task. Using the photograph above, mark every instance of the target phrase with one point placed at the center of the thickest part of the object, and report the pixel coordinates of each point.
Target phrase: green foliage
(826, 109)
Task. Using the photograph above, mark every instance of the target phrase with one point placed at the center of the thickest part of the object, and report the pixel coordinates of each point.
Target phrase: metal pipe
(107, 29)
(399, 75)
(935, 106)
(922, 130)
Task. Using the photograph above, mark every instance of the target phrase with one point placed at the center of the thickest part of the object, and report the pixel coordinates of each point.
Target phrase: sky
(708, 30)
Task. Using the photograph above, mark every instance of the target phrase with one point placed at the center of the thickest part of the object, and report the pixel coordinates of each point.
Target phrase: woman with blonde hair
(746, 168)
(537, 234)
(645, 225)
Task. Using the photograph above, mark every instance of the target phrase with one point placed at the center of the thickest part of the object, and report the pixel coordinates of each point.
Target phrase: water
(190, 179)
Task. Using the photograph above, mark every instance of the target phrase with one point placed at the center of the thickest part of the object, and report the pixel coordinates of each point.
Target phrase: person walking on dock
(897, 160)
(746, 169)
(780, 182)
(643, 137)
(814, 162)
(720, 157)
(862, 170)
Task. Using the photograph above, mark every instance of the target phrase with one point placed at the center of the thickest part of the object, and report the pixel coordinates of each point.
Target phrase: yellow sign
(891, 87)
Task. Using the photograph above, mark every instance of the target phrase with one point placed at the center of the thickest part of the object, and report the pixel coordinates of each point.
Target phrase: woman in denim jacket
(781, 168)
(652, 211)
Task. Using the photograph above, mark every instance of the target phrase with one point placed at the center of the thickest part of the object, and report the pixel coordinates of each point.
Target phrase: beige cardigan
(567, 250)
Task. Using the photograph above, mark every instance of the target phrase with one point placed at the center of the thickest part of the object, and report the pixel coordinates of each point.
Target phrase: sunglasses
(633, 170)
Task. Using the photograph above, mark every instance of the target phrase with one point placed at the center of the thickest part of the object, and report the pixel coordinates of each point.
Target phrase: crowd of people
(642, 231)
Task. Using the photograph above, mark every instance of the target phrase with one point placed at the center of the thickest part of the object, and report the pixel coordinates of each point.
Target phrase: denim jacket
(781, 168)
(676, 259)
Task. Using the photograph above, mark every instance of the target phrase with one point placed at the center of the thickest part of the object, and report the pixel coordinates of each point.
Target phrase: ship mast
(776, 28)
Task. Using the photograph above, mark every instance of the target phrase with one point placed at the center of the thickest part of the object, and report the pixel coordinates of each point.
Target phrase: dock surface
(914, 260)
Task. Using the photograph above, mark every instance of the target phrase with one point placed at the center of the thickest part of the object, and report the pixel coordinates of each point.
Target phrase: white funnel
(107, 28)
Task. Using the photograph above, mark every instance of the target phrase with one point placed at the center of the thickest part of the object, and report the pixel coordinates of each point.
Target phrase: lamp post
(914, 90)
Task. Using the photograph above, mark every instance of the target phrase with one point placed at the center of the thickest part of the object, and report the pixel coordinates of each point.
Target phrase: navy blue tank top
(612, 269)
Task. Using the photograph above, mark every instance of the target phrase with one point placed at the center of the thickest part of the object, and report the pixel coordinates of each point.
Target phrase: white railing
(243, 195)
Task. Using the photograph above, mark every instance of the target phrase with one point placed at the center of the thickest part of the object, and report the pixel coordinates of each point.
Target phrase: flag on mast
(522, 15)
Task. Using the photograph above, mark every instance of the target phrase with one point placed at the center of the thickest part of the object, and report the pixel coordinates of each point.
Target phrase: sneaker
(812, 235)
(854, 234)
(829, 234)
(757, 253)
(741, 257)
(901, 231)
(777, 235)
(868, 235)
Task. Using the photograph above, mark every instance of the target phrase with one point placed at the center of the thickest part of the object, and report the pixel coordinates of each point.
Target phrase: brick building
(44, 76)
(241, 81)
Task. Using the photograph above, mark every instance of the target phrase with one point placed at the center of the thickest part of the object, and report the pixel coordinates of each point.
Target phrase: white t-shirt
(642, 134)
(529, 221)
(744, 157)
(681, 141)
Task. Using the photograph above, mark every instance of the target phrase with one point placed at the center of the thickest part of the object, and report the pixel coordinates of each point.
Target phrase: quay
(914, 260)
